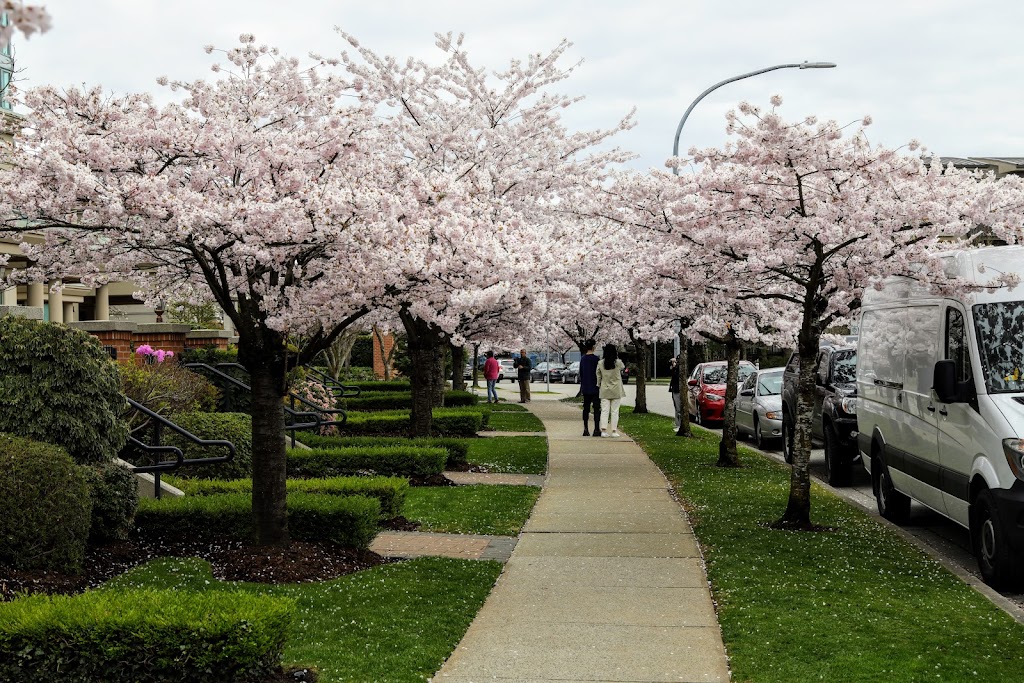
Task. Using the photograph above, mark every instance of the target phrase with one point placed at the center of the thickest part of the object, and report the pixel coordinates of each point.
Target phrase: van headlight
(1014, 449)
(849, 405)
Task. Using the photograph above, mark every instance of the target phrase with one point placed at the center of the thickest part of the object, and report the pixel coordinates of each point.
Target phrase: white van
(940, 408)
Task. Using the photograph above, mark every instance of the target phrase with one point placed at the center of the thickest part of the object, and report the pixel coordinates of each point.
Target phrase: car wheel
(788, 437)
(698, 418)
(892, 505)
(999, 565)
(758, 439)
(837, 464)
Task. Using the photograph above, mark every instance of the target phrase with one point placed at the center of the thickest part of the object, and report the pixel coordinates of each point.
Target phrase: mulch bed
(231, 560)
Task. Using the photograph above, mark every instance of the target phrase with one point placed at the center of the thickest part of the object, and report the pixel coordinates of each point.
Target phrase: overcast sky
(946, 72)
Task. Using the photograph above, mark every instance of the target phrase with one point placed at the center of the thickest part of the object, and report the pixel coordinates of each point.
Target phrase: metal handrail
(334, 385)
(160, 421)
(316, 423)
(306, 402)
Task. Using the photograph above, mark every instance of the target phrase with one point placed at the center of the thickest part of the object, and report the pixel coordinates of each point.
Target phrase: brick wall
(379, 354)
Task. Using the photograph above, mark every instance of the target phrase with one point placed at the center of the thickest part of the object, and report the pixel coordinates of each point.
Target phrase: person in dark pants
(589, 388)
(673, 390)
(523, 366)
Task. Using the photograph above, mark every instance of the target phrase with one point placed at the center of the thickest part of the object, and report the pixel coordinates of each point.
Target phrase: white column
(10, 297)
(36, 291)
(56, 303)
(103, 302)
(70, 312)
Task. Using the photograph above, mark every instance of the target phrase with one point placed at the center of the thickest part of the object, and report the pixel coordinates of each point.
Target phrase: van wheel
(837, 464)
(788, 437)
(998, 564)
(892, 505)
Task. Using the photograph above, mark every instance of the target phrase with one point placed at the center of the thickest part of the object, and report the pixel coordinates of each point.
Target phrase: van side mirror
(692, 382)
(747, 392)
(944, 381)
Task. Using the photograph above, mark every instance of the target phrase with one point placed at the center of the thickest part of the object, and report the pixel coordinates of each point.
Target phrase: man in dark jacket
(523, 366)
(673, 389)
(589, 388)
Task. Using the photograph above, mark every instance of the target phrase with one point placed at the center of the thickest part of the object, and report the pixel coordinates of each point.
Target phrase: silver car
(759, 406)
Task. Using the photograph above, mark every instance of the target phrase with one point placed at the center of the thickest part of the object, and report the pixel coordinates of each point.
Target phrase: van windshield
(1000, 329)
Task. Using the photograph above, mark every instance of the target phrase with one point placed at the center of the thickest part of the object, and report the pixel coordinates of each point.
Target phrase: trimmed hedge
(394, 400)
(380, 460)
(45, 506)
(390, 491)
(458, 449)
(462, 422)
(395, 385)
(143, 636)
(349, 521)
(59, 386)
(233, 427)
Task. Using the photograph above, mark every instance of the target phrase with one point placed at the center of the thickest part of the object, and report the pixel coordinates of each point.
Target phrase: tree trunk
(476, 366)
(727, 454)
(640, 347)
(267, 372)
(426, 352)
(798, 508)
(684, 388)
(458, 367)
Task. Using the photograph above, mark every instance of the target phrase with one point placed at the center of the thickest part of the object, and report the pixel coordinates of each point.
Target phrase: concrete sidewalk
(606, 582)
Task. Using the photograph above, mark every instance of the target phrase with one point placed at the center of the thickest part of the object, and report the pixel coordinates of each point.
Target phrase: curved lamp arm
(679, 129)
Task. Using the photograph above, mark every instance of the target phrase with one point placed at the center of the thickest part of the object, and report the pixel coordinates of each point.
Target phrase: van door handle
(899, 397)
(943, 411)
(931, 409)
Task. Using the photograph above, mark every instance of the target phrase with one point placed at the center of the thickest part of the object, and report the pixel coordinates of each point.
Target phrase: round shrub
(166, 388)
(233, 427)
(44, 506)
(59, 386)
(115, 496)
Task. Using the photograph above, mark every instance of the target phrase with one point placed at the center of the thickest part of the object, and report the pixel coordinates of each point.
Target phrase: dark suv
(834, 417)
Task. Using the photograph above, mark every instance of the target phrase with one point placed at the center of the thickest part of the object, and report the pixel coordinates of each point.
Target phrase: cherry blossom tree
(487, 158)
(261, 189)
(808, 218)
(28, 19)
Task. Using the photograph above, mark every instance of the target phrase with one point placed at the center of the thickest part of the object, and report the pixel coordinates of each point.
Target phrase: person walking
(523, 366)
(609, 381)
(589, 388)
(673, 390)
(491, 372)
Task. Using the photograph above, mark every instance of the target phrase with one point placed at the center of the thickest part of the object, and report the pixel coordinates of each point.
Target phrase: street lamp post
(679, 129)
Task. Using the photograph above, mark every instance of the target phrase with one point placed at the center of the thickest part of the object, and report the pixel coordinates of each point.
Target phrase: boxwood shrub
(45, 506)
(393, 461)
(233, 427)
(143, 636)
(349, 521)
(462, 422)
(458, 449)
(59, 386)
(115, 495)
(390, 491)
(393, 385)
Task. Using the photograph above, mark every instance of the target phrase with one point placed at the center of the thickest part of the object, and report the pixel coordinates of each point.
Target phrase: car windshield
(844, 370)
(1000, 329)
(769, 385)
(746, 371)
(715, 374)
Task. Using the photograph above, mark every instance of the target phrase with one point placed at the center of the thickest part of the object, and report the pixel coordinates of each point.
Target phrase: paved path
(606, 582)
(420, 544)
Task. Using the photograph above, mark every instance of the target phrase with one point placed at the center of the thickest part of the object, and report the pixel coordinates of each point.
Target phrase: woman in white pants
(610, 389)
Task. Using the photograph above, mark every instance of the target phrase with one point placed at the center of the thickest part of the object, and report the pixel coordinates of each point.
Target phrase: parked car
(624, 373)
(571, 374)
(940, 418)
(507, 370)
(540, 371)
(706, 396)
(834, 413)
(759, 406)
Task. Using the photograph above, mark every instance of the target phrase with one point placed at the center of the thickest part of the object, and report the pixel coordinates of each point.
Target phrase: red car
(706, 397)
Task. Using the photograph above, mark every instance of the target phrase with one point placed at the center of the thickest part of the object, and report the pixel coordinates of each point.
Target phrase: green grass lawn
(505, 421)
(514, 454)
(856, 603)
(476, 509)
(507, 408)
(394, 623)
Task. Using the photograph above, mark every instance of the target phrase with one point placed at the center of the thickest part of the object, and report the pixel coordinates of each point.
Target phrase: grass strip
(395, 623)
(496, 510)
(512, 454)
(515, 422)
(854, 603)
